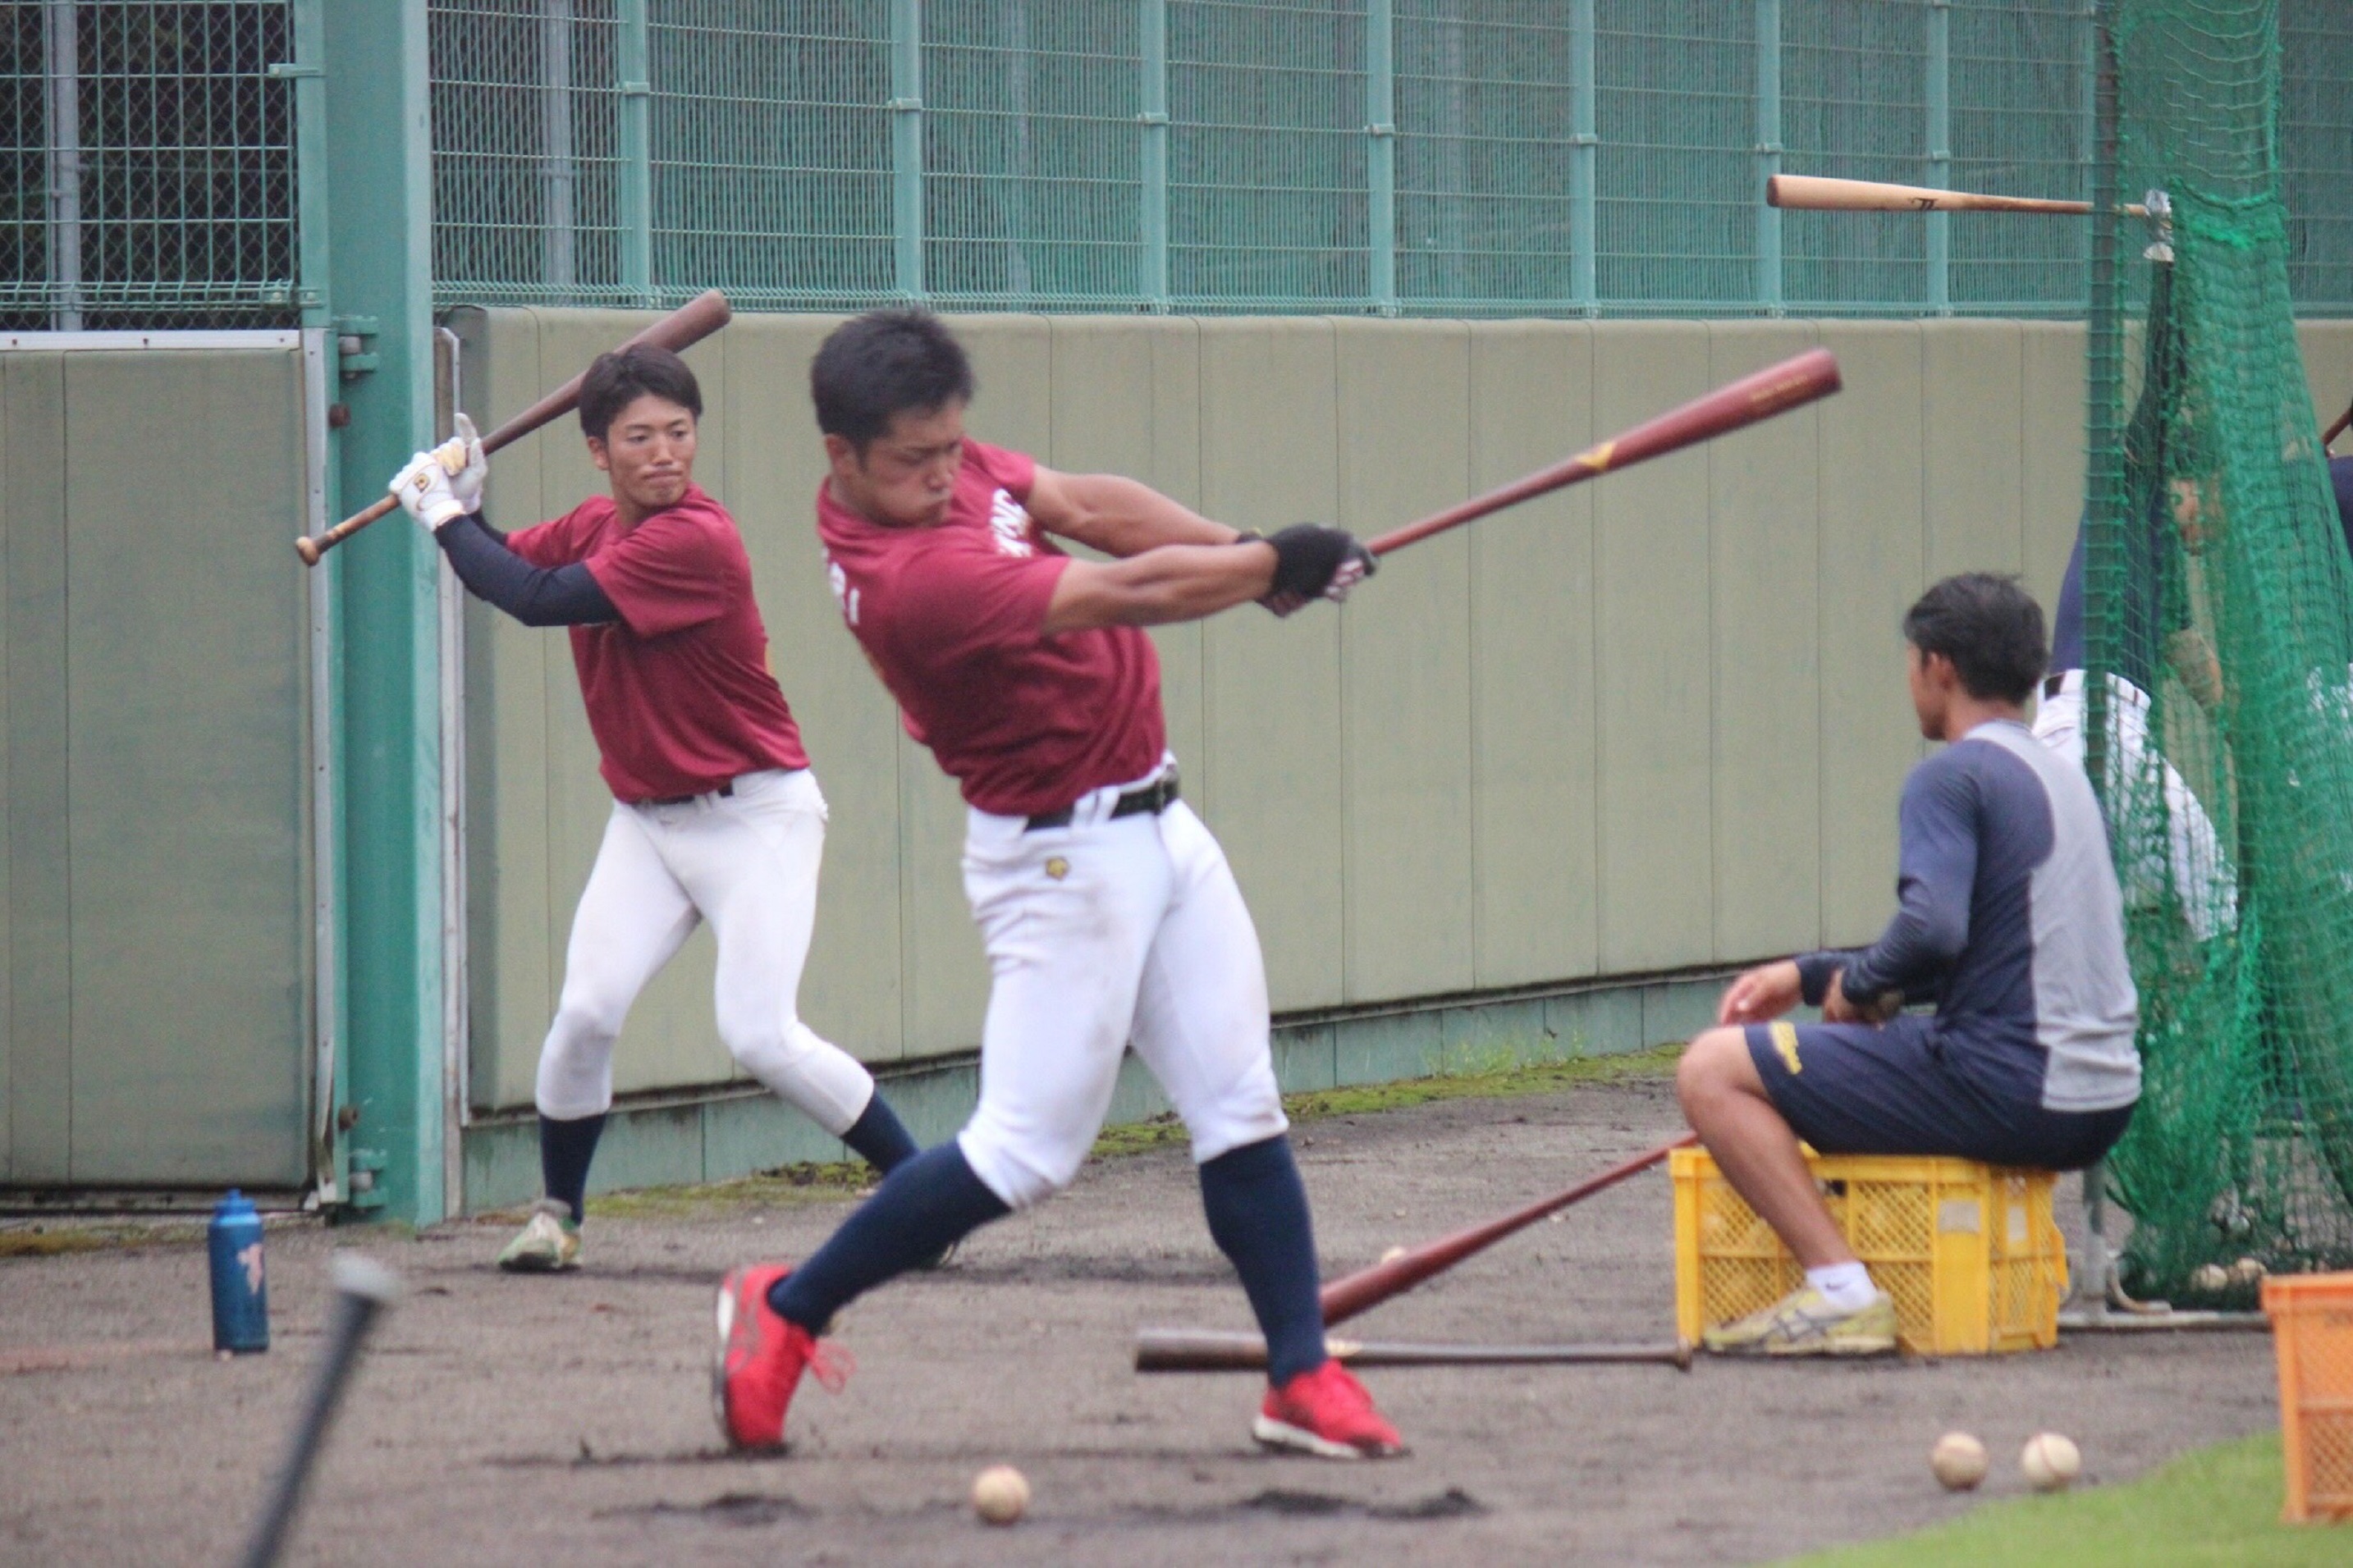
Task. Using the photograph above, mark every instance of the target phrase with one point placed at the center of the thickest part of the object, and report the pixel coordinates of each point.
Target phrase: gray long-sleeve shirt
(2008, 913)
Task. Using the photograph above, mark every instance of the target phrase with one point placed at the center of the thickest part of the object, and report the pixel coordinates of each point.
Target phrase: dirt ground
(567, 1420)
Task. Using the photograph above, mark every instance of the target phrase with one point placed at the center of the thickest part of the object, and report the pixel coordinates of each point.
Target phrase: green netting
(2220, 622)
(1537, 157)
(150, 163)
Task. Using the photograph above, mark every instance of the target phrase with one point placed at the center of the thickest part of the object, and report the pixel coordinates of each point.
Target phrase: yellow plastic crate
(1969, 1252)
(2312, 1332)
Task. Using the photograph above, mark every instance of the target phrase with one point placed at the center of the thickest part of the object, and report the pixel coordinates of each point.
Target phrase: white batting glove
(462, 458)
(423, 490)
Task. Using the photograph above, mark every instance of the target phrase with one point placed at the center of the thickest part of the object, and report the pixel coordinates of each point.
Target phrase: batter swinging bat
(1202, 1349)
(1369, 1287)
(363, 1287)
(1775, 389)
(1815, 193)
(690, 323)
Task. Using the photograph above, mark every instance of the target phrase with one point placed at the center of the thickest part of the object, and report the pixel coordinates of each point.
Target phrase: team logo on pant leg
(1057, 868)
(1785, 1040)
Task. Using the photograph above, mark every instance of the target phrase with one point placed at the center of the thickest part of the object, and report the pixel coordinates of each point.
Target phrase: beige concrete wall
(1649, 722)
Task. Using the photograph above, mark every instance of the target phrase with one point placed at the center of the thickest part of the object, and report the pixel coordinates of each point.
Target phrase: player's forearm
(1123, 518)
(535, 595)
(1173, 582)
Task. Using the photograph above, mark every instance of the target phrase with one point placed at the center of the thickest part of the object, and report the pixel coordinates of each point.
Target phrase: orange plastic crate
(2312, 1330)
(1970, 1252)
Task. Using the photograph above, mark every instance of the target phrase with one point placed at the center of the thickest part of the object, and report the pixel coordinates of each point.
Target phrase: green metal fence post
(1381, 153)
(906, 107)
(1583, 232)
(379, 224)
(636, 89)
(1155, 120)
(1940, 153)
(1769, 154)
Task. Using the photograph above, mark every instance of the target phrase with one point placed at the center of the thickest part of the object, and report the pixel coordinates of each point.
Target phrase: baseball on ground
(1959, 1461)
(2210, 1277)
(1000, 1494)
(2049, 1461)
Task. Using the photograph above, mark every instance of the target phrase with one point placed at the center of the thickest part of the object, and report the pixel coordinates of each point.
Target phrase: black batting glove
(1312, 562)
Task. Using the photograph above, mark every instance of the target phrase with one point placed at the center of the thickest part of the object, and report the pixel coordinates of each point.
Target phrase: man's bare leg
(1728, 1108)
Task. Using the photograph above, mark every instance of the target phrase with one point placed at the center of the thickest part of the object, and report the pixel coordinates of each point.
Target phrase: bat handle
(310, 550)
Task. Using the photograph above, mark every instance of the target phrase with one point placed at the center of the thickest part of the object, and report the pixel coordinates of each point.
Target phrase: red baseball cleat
(760, 1360)
(1326, 1412)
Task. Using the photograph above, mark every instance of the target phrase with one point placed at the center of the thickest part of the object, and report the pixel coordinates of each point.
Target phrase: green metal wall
(1650, 723)
(154, 904)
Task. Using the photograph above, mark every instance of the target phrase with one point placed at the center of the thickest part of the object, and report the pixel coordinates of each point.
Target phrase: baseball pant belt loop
(1155, 797)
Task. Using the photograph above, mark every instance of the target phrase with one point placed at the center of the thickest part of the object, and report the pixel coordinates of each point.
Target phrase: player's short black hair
(620, 378)
(884, 364)
(1990, 628)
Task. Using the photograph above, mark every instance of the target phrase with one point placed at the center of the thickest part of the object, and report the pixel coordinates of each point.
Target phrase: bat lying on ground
(1203, 1349)
(690, 323)
(1816, 193)
(1773, 390)
(1369, 1287)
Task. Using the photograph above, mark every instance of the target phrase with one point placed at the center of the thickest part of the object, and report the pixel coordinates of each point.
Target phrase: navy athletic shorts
(1851, 1088)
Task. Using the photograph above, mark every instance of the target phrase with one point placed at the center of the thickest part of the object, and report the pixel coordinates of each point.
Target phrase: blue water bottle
(240, 1295)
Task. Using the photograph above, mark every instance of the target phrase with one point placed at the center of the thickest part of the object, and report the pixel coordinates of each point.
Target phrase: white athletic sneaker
(549, 1242)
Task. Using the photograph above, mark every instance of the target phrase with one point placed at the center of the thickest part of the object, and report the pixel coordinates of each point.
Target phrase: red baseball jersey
(951, 617)
(679, 695)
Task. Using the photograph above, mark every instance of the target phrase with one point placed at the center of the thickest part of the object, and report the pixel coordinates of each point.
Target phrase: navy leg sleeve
(1258, 1216)
(565, 1148)
(925, 1206)
(880, 1139)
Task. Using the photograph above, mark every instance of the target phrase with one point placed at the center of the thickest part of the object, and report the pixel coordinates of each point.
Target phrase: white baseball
(1000, 1494)
(2049, 1461)
(1958, 1461)
(2248, 1271)
(2210, 1277)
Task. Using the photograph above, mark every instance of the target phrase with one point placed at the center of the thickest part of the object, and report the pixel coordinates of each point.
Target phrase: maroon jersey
(679, 695)
(950, 618)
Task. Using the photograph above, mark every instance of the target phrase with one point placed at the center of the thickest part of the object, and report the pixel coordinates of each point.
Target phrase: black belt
(1155, 797)
(2052, 685)
(723, 791)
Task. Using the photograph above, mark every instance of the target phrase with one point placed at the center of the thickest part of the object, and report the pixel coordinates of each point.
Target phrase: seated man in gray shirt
(2008, 917)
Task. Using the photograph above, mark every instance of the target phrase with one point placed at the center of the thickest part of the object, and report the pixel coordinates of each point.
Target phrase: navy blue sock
(565, 1149)
(927, 1204)
(880, 1139)
(1258, 1216)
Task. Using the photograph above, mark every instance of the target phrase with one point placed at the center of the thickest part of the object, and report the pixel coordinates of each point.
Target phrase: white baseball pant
(748, 864)
(2200, 872)
(1104, 934)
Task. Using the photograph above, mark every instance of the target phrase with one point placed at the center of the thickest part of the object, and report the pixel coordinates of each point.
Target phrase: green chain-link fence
(149, 165)
(1417, 156)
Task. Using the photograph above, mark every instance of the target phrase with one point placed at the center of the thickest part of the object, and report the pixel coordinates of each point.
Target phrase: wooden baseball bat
(1775, 389)
(1817, 192)
(2335, 428)
(1203, 1349)
(363, 1288)
(690, 323)
(1367, 1288)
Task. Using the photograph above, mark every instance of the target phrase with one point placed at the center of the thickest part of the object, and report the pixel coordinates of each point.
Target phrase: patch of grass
(808, 1180)
(1495, 1072)
(2211, 1508)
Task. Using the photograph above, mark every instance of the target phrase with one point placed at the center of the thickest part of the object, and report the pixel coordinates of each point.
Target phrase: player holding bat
(715, 814)
(1108, 911)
